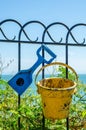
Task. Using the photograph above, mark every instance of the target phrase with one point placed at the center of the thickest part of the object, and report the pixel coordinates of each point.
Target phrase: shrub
(30, 110)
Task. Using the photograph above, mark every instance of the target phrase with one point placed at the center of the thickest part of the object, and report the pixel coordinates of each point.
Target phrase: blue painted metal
(22, 80)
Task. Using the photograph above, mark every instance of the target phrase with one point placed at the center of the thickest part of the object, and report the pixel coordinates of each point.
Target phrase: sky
(69, 12)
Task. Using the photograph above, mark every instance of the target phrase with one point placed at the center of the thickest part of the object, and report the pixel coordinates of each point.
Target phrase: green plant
(30, 110)
(78, 105)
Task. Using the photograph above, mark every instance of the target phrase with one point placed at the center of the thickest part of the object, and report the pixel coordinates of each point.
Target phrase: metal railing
(23, 37)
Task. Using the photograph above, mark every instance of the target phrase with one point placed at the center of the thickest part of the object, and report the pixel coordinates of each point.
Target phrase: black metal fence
(22, 36)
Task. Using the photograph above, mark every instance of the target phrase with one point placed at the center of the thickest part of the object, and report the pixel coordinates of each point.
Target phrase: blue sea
(82, 77)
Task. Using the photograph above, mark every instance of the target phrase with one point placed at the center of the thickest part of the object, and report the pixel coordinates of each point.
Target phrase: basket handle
(56, 63)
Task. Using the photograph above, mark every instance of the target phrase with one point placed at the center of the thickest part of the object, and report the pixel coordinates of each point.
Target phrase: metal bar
(43, 123)
(66, 60)
(67, 120)
(48, 43)
(19, 98)
(19, 123)
(43, 118)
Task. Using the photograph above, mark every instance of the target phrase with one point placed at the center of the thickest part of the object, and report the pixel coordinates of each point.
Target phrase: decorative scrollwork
(70, 30)
(23, 30)
(9, 21)
(5, 35)
(45, 31)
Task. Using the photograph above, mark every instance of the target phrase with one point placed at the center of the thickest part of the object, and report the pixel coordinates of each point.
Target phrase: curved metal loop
(69, 32)
(9, 20)
(22, 30)
(46, 30)
(6, 36)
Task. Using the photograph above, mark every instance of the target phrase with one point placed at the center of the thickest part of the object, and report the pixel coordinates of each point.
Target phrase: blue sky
(69, 12)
